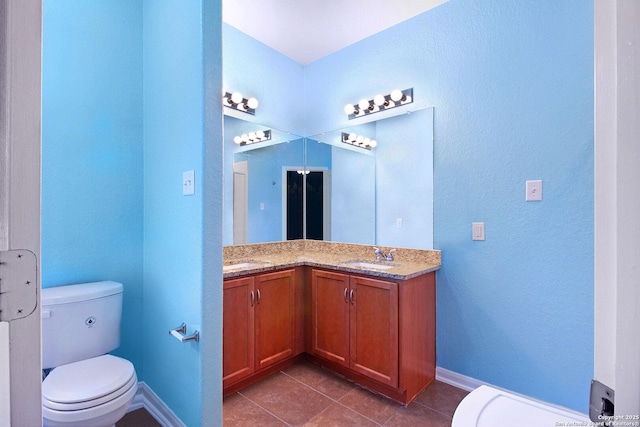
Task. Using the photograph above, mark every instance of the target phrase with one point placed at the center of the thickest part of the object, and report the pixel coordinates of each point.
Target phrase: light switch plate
(477, 230)
(534, 191)
(188, 183)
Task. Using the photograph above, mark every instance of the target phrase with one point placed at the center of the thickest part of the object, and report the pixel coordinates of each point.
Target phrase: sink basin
(368, 265)
(238, 265)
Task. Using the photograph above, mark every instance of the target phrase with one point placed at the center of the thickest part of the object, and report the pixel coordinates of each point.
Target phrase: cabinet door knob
(258, 291)
(345, 294)
(351, 296)
(252, 298)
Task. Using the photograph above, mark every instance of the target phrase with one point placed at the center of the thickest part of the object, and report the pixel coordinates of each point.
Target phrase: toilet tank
(80, 321)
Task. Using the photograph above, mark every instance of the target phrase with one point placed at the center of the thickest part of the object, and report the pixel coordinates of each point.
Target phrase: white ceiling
(307, 30)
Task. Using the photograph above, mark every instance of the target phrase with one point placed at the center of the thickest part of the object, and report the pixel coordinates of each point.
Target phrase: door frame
(617, 209)
(20, 151)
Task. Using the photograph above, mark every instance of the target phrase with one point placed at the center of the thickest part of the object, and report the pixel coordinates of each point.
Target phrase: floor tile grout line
(431, 407)
(265, 409)
(308, 386)
(434, 409)
(350, 409)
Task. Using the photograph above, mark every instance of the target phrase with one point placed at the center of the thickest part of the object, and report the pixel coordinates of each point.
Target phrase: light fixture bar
(359, 141)
(253, 137)
(379, 103)
(238, 102)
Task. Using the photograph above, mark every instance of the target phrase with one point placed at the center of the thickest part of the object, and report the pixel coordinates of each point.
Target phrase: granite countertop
(241, 260)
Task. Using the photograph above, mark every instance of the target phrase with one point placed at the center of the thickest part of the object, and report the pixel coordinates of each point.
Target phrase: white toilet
(87, 387)
(491, 407)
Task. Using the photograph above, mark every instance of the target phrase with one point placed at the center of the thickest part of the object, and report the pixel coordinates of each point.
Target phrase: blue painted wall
(175, 137)
(512, 87)
(92, 210)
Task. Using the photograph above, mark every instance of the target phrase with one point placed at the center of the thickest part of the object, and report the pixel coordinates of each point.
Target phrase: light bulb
(360, 139)
(379, 100)
(252, 136)
(260, 134)
(367, 142)
(237, 140)
(352, 136)
(252, 103)
(373, 143)
(245, 137)
(396, 95)
(363, 104)
(236, 98)
(349, 109)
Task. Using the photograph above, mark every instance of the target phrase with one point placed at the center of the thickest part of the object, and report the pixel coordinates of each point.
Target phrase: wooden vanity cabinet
(379, 333)
(259, 323)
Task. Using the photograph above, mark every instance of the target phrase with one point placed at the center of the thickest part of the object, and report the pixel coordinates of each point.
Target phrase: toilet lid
(87, 380)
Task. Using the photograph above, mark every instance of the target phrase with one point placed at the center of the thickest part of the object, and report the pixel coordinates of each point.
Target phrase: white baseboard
(458, 380)
(469, 384)
(147, 399)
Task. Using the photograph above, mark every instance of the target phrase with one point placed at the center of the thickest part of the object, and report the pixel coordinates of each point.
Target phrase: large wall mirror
(319, 187)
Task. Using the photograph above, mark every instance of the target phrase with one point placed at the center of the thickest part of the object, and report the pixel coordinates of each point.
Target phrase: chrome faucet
(390, 255)
(381, 256)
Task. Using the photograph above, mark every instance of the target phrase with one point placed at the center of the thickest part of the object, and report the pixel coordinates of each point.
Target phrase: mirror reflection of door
(240, 202)
(295, 203)
(308, 204)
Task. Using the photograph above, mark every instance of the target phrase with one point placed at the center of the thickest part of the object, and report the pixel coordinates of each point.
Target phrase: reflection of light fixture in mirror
(359, 141)
(379, 103)
(253, 137)
(238, 102)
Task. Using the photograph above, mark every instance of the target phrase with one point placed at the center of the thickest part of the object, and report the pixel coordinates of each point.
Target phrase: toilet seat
(87, 383)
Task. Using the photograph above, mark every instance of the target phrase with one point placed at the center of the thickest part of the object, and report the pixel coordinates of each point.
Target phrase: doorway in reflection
(307, 204)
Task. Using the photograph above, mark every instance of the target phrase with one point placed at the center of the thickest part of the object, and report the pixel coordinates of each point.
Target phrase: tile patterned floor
(307, 395)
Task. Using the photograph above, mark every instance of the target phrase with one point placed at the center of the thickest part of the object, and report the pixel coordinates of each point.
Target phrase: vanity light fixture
(253, 137)
(359, 141)
(379, 103)
(238, 102)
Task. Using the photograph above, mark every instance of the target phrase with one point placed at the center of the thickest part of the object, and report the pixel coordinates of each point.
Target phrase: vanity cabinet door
(274, 317)
(354, 321)
(330, 316)
(374, 329)
(237, 330)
